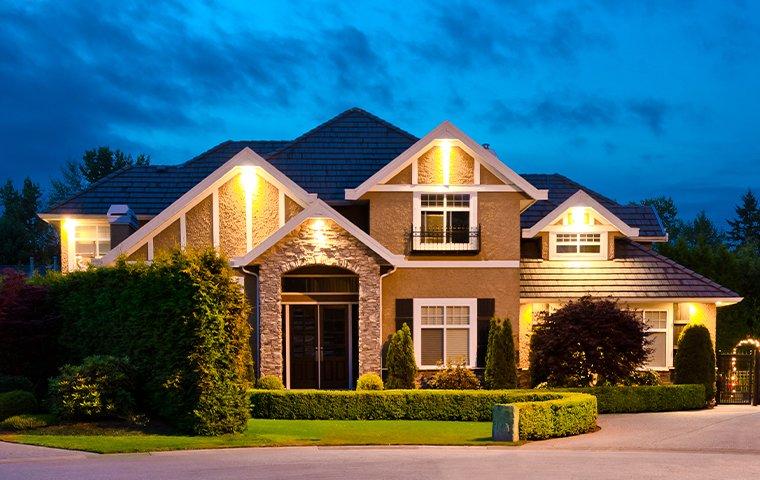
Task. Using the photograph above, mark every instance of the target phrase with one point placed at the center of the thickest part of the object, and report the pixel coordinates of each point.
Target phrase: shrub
(695, 359)
(663, 398)
(270, 382)
(561, 417)
(369, 381)
(453, 377)
(642, 378)
(15, 382)
(25, 422)
(101, 387)
(501, 370)
(400, 361)
(586, 340)
(16, 402)
(28, 329)
(183, 322)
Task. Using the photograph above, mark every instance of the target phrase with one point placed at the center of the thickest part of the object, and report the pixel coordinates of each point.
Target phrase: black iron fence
(32, 267)
(462, 241)
(737, 381)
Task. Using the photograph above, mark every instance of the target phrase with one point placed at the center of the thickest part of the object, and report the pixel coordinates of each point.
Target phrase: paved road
(719, 443)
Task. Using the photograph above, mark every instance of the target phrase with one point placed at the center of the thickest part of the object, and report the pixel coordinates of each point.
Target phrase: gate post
(755, 372)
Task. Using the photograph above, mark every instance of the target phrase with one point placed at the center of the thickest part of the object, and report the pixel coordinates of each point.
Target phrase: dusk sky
(633, 100)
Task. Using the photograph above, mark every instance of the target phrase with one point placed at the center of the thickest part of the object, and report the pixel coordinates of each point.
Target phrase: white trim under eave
(718, 301)
(448, 131)
(434, 188)
(580, 199)
(209, 186)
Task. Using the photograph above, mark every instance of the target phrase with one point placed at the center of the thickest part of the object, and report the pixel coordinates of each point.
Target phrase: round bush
(25, 422)
(270, 382)
(16, 402)
(453, 377)
(695, 359)
(101, 387)
(369, 381)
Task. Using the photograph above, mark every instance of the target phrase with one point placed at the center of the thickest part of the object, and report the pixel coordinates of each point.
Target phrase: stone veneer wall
(330, 245)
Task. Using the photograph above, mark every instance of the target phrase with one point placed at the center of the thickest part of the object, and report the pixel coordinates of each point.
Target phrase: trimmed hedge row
(453, 405)
(16, 402)
(636, 399)
(562, 417)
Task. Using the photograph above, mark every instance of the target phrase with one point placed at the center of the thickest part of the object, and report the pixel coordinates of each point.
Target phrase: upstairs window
(91, 241)
(445, 222)
(578, 245)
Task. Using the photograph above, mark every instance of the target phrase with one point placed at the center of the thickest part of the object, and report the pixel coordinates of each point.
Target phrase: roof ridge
(207, 152)
(342, 114)
(90, 187)
(677, 265)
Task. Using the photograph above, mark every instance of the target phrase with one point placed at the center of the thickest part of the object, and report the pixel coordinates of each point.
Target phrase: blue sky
(633, 99)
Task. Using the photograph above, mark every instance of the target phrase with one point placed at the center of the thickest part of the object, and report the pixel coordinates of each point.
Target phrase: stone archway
(319, 242)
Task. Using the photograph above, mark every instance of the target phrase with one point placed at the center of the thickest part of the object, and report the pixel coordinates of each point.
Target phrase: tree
(668, 213)
(587, 341)
(95, 164)
(745, 230)
(22, 233)
(695, 359)
(501, 370)
(400, 361)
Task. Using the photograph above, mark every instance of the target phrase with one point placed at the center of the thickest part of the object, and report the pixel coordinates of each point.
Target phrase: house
(357, 226)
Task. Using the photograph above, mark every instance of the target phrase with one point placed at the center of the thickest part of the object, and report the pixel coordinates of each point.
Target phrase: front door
(319, 346)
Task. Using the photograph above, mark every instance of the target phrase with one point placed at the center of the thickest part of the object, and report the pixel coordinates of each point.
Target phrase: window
(444, 218)
(657, 321)
(91, 241)
(578, 245)
(447, 331)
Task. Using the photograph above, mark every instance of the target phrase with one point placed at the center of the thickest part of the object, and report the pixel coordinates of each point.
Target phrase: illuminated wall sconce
(69, 225)
(249, 179)
(578, 216)
(318, 226)
(446, 161)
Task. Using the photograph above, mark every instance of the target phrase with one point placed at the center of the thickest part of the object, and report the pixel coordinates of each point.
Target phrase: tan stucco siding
(404, 177)
(488, 178)
(501, 284)
(198, 225)
(390, 217)
(265, 211)
(291, 208)
(499, 218)
(232, 239)
(167, 239)
(430, 167)
(64, 236)
(139, 255)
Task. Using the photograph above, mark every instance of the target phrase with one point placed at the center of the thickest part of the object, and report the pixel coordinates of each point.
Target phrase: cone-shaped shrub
(695, 359)
(501, 370)
(402, 367)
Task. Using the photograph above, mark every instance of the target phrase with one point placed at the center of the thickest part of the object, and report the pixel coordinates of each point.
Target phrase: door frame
(349, 334)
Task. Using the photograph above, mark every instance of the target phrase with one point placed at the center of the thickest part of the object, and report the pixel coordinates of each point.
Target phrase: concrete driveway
(709, 444)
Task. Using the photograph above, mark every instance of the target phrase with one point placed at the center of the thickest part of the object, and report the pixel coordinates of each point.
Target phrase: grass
(105, 438)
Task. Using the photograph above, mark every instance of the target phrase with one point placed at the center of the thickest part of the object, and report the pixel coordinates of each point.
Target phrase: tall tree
(668, 212)
(745, 229)
(70, 182)
(22, 233)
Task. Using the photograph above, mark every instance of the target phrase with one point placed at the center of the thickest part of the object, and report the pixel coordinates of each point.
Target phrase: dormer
(580, 228)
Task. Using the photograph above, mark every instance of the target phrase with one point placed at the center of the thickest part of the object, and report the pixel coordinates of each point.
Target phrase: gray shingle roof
(338, 154)
(636, 272)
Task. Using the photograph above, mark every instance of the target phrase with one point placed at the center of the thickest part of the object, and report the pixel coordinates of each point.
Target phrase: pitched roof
(636, 272)
(561, 188)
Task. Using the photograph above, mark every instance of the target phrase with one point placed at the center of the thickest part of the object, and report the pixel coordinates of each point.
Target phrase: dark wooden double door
(319, 344)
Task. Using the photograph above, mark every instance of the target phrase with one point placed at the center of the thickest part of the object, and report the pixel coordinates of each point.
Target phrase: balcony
(453, 241)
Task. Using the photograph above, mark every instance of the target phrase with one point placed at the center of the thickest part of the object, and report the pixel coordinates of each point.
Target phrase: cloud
(651, 112)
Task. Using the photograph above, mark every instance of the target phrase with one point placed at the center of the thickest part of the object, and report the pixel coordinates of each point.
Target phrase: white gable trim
(580, 199)
(209, 186)
(318, 209)
(448, 130)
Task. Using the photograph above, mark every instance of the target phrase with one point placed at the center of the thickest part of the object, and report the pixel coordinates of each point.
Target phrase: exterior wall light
(318, 226)
(446, 161)
(249, 179)
(578, 216)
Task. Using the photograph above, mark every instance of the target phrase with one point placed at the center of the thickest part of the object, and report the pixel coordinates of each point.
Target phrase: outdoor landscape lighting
(446, 160)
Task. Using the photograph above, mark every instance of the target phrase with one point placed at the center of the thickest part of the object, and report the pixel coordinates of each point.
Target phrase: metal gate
(737, 382)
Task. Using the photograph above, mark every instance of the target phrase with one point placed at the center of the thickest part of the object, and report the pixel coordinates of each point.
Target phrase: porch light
(578, 216)
(318, 227)
(69, 224)
(248, 178)
(446, 160)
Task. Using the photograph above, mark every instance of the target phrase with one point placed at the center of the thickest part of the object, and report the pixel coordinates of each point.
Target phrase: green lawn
(263, 433)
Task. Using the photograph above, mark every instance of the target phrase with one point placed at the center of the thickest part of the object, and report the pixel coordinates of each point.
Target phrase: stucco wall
(501, 284)
(488, 178)
(265, 211)
(232, 240)
(198, 225)
(291, 208)
(404, 177)
(390, 218)
(430, 169)
(167, 239)
(139, 255)
(319, 242)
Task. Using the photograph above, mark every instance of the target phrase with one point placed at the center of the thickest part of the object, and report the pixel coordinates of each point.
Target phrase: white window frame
(472, 303)
(446, 246)
(99, 236)
(603, 249)
(668, 330)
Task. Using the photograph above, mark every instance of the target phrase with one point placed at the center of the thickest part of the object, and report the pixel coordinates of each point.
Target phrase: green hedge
(16, 402)
(660, 398)
(561, 417)
(454, 405)
(183, 323)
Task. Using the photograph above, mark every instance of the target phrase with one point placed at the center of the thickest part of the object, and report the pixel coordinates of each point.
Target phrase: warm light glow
(318, 226)
(249, 179)
(578, 215)
(446, 160)
(69, 224)
(692, 310)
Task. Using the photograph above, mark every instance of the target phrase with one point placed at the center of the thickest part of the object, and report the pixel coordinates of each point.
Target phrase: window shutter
(486, 309)
(404, 313)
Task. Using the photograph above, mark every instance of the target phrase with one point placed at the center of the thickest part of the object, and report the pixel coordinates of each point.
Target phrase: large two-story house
(357, 226)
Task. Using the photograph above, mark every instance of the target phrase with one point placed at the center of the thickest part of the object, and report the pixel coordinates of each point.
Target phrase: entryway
(320, 314)
(738, 372)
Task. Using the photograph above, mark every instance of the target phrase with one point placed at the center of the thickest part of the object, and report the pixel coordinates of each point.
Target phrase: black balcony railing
(452, 241)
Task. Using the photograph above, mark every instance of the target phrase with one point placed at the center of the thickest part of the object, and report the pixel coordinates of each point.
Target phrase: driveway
(709, 444)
